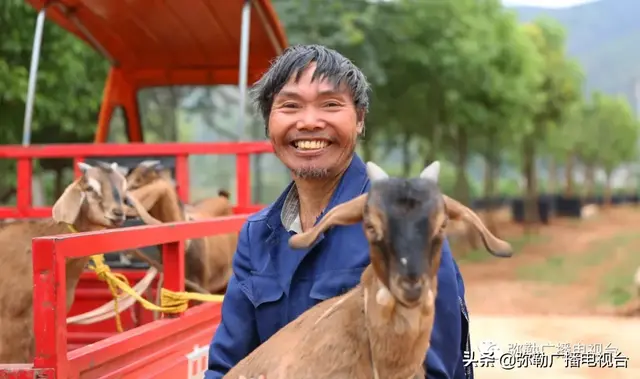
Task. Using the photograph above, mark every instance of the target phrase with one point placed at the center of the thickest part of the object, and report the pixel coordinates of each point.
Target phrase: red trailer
(148, 43)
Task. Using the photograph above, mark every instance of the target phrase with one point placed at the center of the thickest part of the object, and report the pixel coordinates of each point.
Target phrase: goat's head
(99, 194)
(405, 222)
(145, 173)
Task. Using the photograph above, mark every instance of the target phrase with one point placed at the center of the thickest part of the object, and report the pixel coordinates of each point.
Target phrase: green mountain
(604, 36)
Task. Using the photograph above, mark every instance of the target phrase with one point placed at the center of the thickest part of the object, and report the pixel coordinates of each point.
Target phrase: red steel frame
(25, 154)
(154, 350)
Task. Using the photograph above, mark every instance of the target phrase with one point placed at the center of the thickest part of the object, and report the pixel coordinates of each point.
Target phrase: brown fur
(375, 326)
(207, 260)
(95, 201)
(215, 206)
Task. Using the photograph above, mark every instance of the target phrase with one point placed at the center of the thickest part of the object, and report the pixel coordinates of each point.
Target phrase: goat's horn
(493, 244)
(83, 166)
(431, 172)
(343, 214)
(104, 165)
(375, 172)
(149, 163)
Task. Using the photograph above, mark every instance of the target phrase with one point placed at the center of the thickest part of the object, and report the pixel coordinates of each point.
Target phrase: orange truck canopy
(173, 42)
(164, 43)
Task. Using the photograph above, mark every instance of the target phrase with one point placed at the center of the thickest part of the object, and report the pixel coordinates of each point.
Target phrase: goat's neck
(75, 266)
(398, 336)
(166, 206)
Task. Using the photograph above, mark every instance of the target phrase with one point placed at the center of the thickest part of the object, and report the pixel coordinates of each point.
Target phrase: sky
(546, 3)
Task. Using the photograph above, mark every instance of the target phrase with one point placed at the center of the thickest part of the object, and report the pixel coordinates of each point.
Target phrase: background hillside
(605, 38)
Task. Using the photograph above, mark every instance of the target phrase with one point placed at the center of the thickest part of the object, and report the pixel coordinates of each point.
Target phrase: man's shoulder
(276, 206)
(261, 215)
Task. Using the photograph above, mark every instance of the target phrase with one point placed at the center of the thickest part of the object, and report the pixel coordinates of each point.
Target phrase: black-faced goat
(382, 327)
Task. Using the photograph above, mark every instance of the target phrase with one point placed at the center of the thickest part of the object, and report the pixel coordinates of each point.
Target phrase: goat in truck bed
(380, 329)
(95, 201)
(207, 259)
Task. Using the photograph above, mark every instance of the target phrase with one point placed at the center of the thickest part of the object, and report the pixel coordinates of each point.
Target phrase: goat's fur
(95, 201)
(382, 327)
(207, 260)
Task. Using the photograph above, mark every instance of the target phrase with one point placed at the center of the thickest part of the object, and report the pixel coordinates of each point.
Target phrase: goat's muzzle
(411, 290)
(116, 217)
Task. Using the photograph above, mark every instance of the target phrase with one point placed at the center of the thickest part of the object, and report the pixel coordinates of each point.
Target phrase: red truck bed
(175, 346)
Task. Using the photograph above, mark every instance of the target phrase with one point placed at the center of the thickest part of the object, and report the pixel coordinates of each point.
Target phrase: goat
(382, 327)
(207, 260)
(215, 206)
(95, 201)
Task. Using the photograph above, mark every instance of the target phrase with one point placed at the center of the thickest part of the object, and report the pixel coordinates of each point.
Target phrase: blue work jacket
(273, 284)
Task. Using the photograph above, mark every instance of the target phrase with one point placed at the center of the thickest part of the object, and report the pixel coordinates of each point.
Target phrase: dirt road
(559, 288)
(622, 334)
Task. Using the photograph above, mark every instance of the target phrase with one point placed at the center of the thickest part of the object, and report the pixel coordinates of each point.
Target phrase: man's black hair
(330, 65)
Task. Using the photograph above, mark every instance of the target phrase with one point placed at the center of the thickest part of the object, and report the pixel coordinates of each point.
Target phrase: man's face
(313, 126)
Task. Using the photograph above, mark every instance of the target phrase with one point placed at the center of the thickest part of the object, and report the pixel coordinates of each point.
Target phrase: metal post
(244, 65)
(33, 74)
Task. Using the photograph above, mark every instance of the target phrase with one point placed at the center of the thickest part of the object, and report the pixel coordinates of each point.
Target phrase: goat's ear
(375, 172)
(343, 214)
(67, 208)
(431, 172)
(493, 244)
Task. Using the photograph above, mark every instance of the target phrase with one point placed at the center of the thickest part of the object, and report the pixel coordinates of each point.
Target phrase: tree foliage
(460, 81)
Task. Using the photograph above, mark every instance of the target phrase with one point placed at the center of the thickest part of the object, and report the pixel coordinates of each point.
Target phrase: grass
(616, 286)
(555, 269)
(518, 243)
(559, 269)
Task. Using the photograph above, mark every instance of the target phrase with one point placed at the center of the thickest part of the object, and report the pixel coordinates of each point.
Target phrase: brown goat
(207, 260)
(215, 206)
(382, 327)
(95, 201)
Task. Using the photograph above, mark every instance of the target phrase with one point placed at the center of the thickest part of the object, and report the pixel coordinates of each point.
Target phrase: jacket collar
(352, 184)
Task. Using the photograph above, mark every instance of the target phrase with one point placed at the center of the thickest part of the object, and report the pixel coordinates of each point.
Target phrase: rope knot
(101, 272)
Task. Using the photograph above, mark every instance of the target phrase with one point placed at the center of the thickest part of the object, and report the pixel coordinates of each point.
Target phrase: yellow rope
(170, 301)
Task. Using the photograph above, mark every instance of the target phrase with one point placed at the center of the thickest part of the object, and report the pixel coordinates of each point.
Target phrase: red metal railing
(182, 151)
(109, 357)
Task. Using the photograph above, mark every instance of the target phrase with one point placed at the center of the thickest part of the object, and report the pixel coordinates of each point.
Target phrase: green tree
(609, 138)
(559, 89)
(69, 88)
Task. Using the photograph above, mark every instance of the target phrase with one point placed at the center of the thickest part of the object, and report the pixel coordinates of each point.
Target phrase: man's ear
(360, 129)
(360, 122)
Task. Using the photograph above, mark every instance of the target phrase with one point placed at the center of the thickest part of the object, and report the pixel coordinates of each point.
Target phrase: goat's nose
(118, 212)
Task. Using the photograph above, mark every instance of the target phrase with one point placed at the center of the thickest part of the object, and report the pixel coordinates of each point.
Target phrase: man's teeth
(311, 145)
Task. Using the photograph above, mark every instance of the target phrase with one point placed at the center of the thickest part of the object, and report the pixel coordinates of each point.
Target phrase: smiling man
(314, 102)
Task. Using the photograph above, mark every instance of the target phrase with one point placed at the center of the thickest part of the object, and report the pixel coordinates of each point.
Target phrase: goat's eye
(92, 192)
